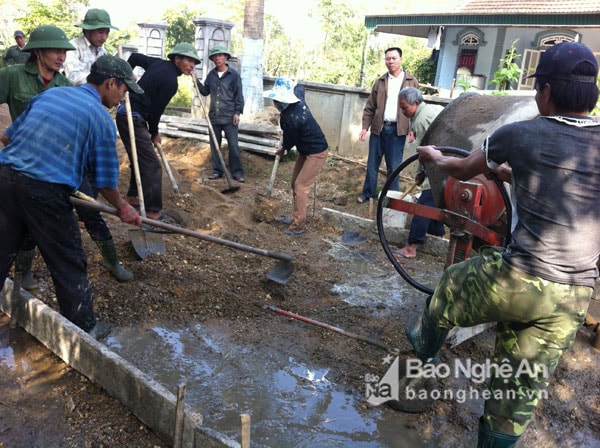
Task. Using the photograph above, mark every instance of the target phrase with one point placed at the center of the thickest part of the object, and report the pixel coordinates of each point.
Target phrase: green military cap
(95, 19)
(184, 49)
(114, 67)
(48, 36)
(218, 49)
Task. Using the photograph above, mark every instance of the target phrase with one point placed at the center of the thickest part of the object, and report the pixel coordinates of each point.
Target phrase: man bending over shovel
(63, 133)
(159, 82)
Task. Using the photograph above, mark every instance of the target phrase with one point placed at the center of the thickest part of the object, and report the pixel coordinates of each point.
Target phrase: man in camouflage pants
(538, 287)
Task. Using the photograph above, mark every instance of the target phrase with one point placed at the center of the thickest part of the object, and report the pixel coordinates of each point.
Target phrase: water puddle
(374, 283)
(290, 403)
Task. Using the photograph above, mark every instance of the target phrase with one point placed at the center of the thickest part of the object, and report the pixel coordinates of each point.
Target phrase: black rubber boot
(111, 261)
(23, 264)
(488, 438)
(425, 337)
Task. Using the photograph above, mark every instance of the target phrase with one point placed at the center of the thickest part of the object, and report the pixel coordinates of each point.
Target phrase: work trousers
(420, 226)
(304, 176)
(537, 321)
(45, 211)
(92, 219)
(234, 161)
(389, 145)
(149, 164)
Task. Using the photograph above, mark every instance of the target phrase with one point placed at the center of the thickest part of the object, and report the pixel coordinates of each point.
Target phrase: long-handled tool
(167, 167)
(231, 188)
(332, 328)
(144, 243)
(265, 209)
(280, 273)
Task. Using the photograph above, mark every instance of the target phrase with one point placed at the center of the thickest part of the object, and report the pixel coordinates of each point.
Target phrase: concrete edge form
(152, 403)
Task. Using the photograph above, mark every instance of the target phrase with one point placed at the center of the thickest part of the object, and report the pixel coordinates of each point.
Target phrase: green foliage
(181, 28)
(464, 83)
(508, 71)
(61, 13)
(280, 54)
(183, 97)
(416, 59)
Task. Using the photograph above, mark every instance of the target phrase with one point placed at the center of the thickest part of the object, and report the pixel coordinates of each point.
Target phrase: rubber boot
(23, 264)
(488, 438)
(426, 338)
(111, 261)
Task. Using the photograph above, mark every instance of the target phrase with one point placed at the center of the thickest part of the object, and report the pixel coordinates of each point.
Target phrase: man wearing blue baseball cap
(63, 134)
(537, 288)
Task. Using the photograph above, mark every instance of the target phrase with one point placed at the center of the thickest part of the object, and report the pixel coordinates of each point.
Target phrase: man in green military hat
(160, 84)
(224, 83)
(89, 46)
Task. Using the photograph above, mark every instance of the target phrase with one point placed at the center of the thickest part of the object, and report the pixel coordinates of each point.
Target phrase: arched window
(468, 41)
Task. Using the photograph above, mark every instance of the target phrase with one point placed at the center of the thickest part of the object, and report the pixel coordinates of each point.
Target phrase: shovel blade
(281, 272)
(146, 243)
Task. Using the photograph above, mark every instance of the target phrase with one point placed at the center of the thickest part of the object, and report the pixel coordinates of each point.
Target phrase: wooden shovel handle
(95, 205)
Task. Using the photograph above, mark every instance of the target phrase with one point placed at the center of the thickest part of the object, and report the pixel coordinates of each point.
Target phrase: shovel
(231, 188)
(144, 243)
(280, 273)
(265, 209)
(167, 167)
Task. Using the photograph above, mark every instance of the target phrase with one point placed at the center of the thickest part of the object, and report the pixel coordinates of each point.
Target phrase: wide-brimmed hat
(115, 67)
(184, 49)
(282, 91)
(559, 61)
(218, 49)
(48, 36)
(95, 19)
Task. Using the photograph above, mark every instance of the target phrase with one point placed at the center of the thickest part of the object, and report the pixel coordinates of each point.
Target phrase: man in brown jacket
(388, 125)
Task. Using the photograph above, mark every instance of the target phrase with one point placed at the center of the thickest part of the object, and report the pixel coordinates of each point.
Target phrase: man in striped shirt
(63, 133)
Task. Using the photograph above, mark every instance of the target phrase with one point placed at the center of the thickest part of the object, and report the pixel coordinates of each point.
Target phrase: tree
(181, 27)
(61, 13)
(252, 56)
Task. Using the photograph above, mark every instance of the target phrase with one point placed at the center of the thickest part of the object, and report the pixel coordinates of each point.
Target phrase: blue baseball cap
(559, 61)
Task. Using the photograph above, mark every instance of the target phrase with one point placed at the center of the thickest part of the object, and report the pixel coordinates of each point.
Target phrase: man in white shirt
(88, 47)
(385, 120)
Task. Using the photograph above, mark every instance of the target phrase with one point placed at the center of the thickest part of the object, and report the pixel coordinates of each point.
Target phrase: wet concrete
(288, 401)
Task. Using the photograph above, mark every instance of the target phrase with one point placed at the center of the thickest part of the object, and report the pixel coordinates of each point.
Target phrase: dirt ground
(200, 281)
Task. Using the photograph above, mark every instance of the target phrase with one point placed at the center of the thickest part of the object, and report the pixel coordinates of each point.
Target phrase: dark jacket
(373, 113)
(159, 82)
(226, 95)
(300, 129)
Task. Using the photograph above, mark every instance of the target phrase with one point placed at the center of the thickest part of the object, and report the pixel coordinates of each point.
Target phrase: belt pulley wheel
(476, 212)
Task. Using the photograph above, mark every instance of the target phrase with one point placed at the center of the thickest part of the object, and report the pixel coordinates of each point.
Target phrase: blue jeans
(234, 162)
(420, 226)
(387, 144)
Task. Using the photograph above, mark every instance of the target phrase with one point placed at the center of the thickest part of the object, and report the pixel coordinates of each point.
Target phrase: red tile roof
(474, 7)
